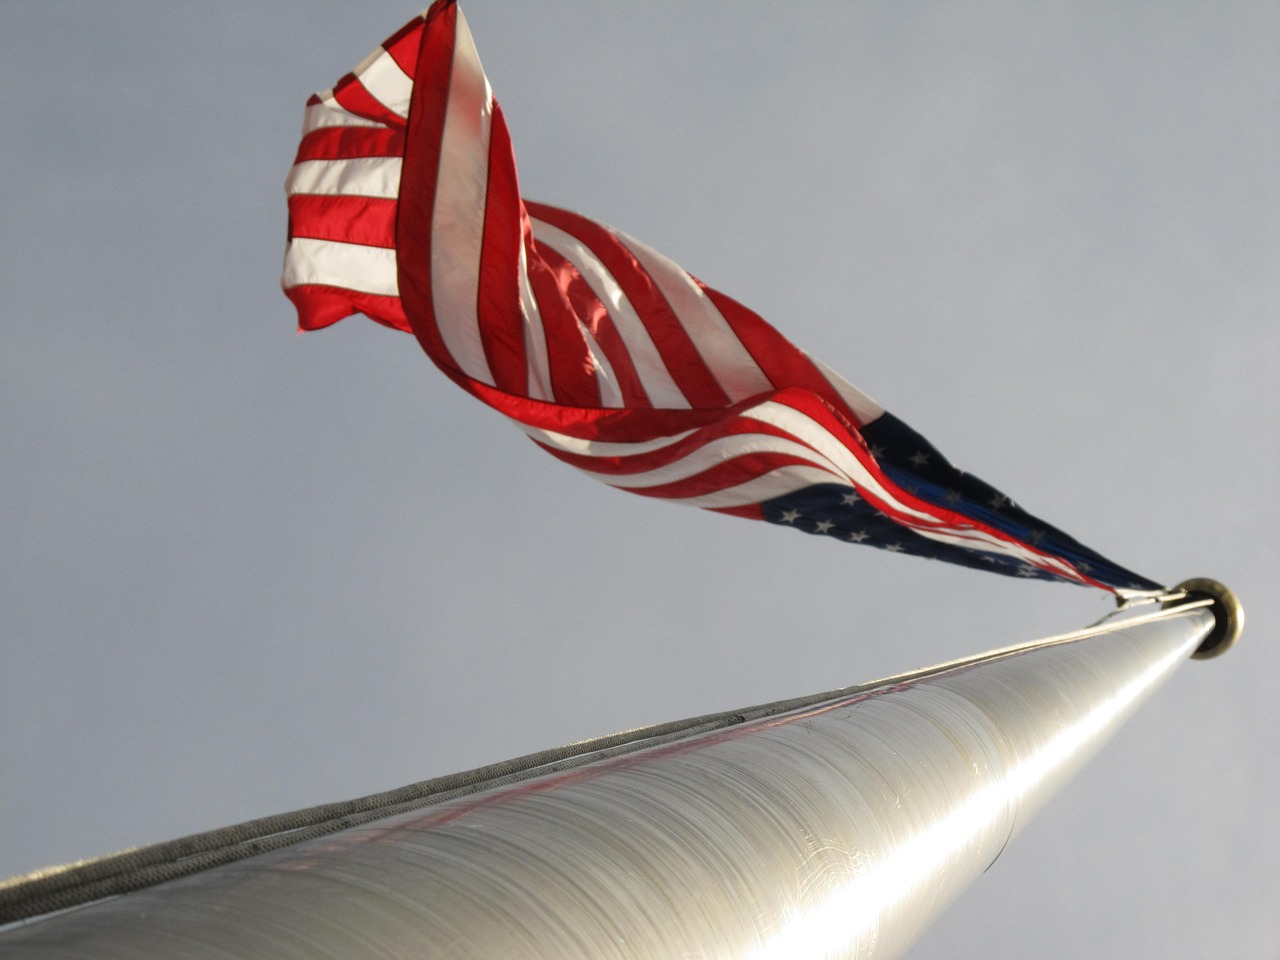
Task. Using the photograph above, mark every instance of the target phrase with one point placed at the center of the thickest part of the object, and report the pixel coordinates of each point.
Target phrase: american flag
(404, 206)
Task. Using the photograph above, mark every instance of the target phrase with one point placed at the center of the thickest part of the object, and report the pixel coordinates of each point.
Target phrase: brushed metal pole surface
(840, 830)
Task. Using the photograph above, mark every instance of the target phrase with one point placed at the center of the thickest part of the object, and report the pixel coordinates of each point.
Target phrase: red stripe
(623, 465)
(749, 511)
(722, 476)
(682, 359)
(369, 221)
(352, 95)
(586, 307)
(782, 361)
(403, 45)
(418, 178)
(320, 306)
(346, 143)
(585, 423)
(573, 379)
(498, 312)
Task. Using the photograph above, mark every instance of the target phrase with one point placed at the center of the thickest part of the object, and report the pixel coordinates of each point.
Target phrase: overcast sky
(245, 571)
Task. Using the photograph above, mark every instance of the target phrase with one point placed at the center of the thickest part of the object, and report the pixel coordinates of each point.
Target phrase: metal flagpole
(840, 827)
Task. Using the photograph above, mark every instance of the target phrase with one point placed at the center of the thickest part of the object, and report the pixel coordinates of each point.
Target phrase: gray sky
(246, 571)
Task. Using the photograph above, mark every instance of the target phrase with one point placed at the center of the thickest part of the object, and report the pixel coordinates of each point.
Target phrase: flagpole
(842, 828)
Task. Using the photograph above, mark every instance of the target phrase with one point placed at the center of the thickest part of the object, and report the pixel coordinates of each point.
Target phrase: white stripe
(864, 408)
(973, 539)
(654, 377)
(728, 360)
(330, 113)
(538, 374)
(457, 223)
(716, 452)
(606, 379)
(598, 448)
(357, 177)
(809, 431)
(777, 483)
(386, 82)
(347, 265)
(969, 539)
(978, 540)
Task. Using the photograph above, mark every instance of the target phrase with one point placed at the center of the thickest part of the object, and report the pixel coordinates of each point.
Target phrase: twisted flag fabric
(404, 206)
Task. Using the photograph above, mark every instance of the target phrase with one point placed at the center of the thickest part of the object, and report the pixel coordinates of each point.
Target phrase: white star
(858, 536)
(877, 452)
(953, 496)
(824, 526)
(894, 548)
(920, 458)
(849, 499)
(790, 516)
(1026, 571)
(998, 501)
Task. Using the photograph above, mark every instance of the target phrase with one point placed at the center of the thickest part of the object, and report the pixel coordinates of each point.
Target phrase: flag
(404, 205)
